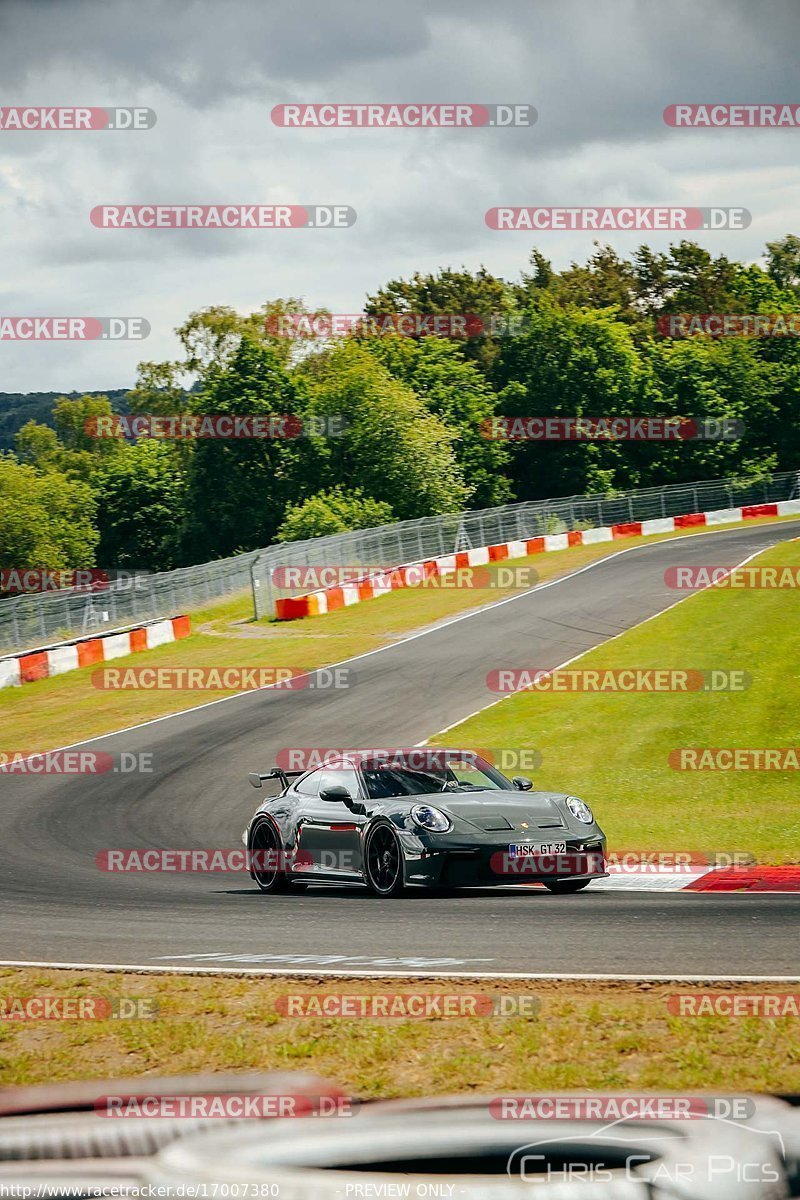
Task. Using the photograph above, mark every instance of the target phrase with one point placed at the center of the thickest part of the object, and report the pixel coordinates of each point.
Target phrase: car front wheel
(383, 862)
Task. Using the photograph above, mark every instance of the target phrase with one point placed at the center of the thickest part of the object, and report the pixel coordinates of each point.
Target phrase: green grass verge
(585, 1036)
(612, 749)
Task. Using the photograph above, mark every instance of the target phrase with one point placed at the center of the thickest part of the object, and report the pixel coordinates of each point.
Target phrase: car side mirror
(255, 779)
(522, 783)
(336, 792)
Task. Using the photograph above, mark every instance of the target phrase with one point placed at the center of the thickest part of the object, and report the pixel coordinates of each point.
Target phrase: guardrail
(38, 619)
(433, 537)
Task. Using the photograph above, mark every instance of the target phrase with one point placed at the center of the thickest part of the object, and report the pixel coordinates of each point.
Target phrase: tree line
(413, 410)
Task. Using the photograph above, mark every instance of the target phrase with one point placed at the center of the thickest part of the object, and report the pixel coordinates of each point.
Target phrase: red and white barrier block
(324, 600)
(56, 660)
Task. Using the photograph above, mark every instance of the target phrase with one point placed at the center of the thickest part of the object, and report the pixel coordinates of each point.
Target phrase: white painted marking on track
(306, 960)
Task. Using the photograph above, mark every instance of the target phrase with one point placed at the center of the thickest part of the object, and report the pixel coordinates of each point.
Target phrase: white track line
(293, 972)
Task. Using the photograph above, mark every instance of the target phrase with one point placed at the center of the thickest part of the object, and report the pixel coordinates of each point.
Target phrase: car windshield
(385, 781)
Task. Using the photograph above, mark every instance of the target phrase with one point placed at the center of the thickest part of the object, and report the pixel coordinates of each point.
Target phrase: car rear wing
(257, 778)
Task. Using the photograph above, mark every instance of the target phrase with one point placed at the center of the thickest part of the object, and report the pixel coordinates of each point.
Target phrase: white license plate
(530, 850)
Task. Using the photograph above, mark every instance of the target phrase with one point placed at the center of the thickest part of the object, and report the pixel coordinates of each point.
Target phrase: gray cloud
(600, 75)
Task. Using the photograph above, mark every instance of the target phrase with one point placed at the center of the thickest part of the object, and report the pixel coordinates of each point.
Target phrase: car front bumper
(437, 865)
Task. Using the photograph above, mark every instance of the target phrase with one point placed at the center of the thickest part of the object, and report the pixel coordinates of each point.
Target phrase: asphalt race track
(59, 907)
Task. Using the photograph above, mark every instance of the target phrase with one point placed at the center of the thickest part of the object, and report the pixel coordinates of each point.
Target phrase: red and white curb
(324, 600)
(702, 879)
(70, 656)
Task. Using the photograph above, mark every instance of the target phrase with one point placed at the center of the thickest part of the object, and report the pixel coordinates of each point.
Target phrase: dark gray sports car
(430, 817)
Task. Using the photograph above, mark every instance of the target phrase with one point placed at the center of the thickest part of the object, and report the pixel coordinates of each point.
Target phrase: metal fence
(41, 619)
(410, 541)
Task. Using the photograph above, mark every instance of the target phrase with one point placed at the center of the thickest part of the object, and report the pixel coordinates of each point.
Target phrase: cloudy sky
(599, 72)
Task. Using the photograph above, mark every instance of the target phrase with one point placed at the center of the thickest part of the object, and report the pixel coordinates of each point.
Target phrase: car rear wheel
(565, 887)
(265, 853)
(383, 862)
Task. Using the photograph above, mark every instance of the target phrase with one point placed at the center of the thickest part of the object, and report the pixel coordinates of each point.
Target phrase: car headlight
(430, 818)
(579, 810)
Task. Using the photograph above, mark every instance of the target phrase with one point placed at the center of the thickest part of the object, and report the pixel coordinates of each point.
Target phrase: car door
(330, 829)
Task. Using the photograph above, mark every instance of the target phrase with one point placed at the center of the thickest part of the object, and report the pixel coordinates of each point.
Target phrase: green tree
(606, 281)
(456, 392)
(211, 336)
(77, 424)
(75, 446)
(757, 291)
(698, 282)
(451, 293)
(783, 261)
(238, 488)
(393, 446)
(46, 519)
(38, 445)
(572, 363)
(141, 499)
(335, 511)
(159, 391)
(716, 379)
